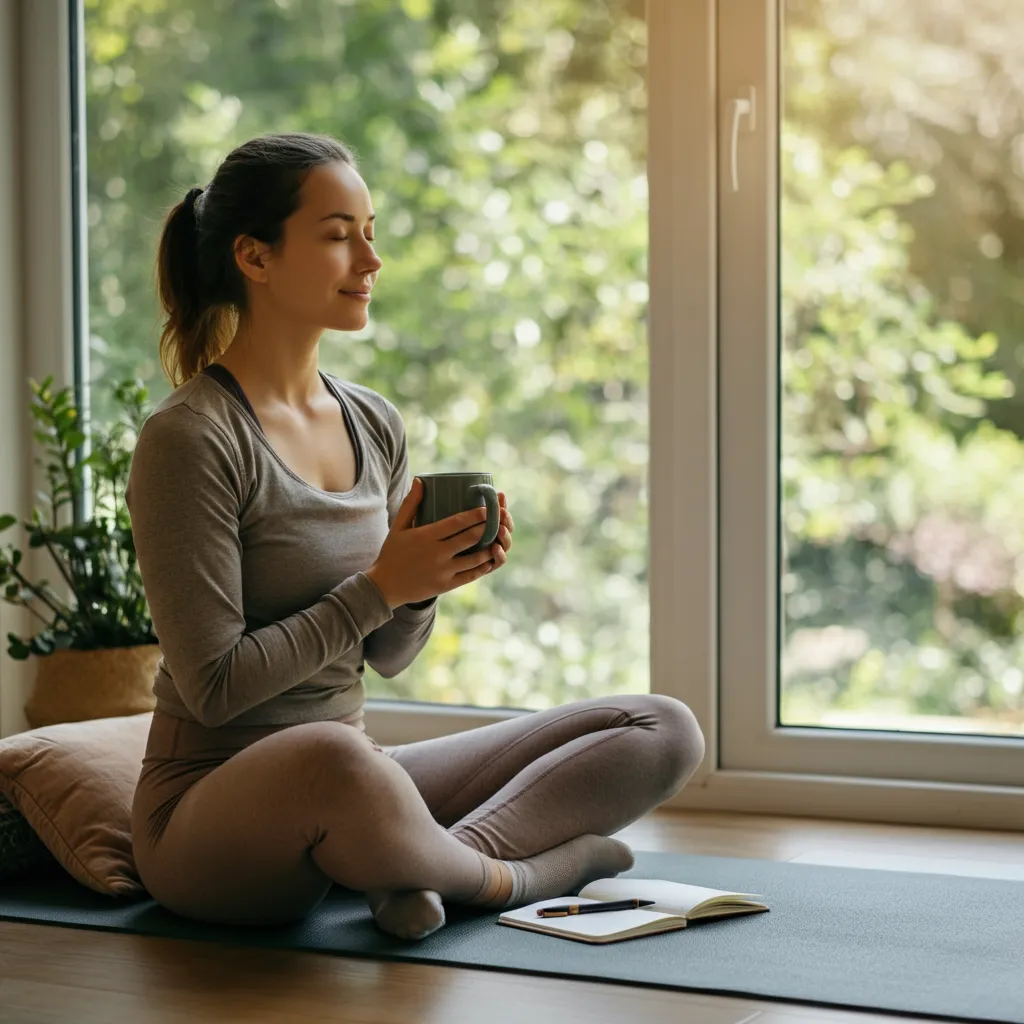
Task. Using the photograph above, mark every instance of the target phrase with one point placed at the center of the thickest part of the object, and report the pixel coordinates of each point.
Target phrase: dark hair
(201, 289)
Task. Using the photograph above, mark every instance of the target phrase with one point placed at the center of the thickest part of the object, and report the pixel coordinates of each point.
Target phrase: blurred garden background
(504, 145)
(902, 468)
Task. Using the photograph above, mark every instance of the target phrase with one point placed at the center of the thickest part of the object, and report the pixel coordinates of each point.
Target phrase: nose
(369, 261)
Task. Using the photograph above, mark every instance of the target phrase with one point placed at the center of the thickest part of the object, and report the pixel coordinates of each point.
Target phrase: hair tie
(195, 200)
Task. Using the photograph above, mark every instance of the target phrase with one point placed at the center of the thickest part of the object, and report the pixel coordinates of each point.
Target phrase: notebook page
(594, 925)
(669, 897)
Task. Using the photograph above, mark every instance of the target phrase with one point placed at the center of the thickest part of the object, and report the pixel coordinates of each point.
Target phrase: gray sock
(411, 914)
(560, 871)
(565, 868)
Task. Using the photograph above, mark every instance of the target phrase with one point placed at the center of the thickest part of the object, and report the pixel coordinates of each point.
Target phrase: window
(870, 372)
(504, 145)
(837, 669)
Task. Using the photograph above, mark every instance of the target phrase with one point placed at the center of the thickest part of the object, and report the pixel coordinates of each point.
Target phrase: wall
(13, 406)
(36, 275)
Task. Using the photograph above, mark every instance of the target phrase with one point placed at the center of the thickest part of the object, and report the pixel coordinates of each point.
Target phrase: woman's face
(326, 252)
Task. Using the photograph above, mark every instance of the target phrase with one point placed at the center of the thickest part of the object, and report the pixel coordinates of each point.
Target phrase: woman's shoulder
(186, 445)
(196, 416)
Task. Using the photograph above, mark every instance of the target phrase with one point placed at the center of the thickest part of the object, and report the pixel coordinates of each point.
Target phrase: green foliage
(900, 472)
(888, 458)
(96, 555)
(504, 145)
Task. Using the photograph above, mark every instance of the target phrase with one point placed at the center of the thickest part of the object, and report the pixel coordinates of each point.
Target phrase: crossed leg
(260, 837)
(526, 785)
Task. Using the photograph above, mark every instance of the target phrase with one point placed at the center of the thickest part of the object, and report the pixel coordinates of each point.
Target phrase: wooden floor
(52, 974)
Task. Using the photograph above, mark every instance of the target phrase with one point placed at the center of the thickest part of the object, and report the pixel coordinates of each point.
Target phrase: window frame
(42, 190)
(989, 769)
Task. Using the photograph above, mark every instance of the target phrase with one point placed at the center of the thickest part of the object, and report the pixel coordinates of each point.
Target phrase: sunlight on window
(902, 470)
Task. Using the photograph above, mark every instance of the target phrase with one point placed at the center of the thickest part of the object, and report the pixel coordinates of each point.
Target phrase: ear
(252, 256)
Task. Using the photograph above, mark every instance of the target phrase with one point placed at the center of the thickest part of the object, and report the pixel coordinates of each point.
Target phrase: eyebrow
(345, 216)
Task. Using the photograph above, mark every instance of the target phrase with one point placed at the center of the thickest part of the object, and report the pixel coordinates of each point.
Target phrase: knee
(329, 755)
(679, 741)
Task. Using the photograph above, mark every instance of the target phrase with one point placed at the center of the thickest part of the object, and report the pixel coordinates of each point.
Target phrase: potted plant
(97, 652)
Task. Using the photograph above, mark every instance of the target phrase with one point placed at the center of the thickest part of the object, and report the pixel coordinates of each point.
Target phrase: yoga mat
(890, 941)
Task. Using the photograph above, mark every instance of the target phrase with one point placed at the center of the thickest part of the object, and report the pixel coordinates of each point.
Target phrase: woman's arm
(393, 647)
(186, 491)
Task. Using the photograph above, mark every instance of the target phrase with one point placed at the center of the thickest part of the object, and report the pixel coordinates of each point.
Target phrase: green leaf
(17, 649)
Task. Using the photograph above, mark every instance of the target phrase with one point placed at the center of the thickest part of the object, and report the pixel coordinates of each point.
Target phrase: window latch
(740, 107)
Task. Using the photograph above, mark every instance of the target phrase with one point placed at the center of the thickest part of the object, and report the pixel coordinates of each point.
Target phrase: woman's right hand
(416, 563)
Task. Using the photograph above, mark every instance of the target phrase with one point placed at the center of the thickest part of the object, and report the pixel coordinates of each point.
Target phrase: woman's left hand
(503, 542)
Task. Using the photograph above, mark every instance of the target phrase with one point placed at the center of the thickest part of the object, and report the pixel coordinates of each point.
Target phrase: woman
(272, 518)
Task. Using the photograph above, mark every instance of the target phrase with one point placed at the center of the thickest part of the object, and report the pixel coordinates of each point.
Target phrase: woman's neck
(283, 370)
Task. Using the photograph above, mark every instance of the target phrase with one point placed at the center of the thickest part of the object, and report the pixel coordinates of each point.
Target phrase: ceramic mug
(447, 494)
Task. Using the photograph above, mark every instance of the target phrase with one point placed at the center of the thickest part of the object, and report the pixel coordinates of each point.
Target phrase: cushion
(20, 848)
(74, 784)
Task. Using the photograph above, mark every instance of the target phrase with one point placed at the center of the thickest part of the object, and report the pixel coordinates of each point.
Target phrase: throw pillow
(74, 784)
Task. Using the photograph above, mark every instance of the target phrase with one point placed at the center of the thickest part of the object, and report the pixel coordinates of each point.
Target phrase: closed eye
(344, 238)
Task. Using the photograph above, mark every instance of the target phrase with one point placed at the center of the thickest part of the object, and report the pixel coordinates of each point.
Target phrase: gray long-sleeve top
(256, 579)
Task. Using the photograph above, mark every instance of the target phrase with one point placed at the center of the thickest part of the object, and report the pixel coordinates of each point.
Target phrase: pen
(593, 908)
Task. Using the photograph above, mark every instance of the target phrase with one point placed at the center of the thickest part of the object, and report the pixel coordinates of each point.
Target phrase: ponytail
(191, 334)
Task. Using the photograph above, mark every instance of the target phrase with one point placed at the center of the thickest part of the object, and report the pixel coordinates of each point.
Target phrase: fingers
(464, 539)
(442, 529)
(498, 554)
(506, 516)
(464, 529)
(479, 564)
(407, 510)
(452, 525)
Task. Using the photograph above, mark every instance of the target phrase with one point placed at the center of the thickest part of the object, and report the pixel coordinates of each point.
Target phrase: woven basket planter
(74, 686)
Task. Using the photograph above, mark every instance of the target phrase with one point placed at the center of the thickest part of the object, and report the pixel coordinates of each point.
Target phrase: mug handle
(493, 521)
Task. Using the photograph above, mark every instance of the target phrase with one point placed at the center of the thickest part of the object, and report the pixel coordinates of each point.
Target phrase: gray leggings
(252, 825)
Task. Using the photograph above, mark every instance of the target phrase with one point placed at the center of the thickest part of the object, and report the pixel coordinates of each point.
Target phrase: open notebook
(675, 904)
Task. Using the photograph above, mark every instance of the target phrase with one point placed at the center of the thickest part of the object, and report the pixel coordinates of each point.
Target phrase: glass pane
(902, 412)
(504, 146)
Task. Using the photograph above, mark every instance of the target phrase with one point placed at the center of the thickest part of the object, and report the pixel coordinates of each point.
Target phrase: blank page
(594, 925)
(669, 897)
